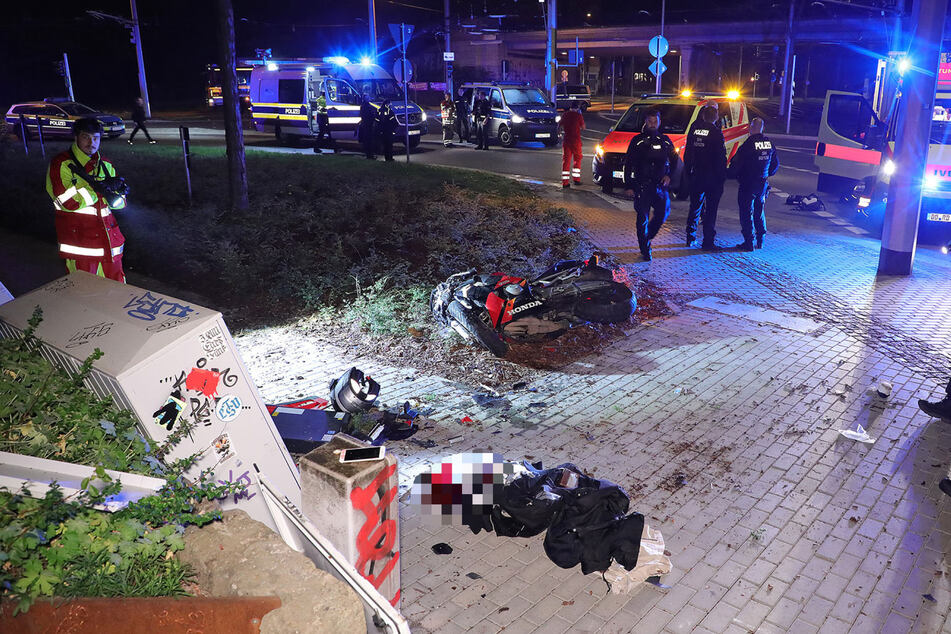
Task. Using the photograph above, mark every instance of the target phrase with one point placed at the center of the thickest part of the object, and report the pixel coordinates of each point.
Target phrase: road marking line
(856, 230)
(824, 214)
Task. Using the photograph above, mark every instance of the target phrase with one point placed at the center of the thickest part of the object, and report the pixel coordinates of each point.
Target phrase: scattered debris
(502, 609)
(884, 389)
(456, 439)
(425, 444)
(930, 597)
(758, 534)
(859, 435)
(491, 402)
(442, 548)
(473, 575)
(655, 581)
(538, 404)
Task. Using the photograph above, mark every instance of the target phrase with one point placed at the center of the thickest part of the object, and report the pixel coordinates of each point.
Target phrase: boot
(745, 246)
(759, 242)
(712, 247)
(938, 409)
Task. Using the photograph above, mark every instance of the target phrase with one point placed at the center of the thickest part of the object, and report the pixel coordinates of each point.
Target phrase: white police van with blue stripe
(284, 97)
(520, 112)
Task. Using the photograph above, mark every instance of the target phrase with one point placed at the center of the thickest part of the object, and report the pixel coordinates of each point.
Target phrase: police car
(519, 112)
(55, 118)
(567, 94)
(677, 113)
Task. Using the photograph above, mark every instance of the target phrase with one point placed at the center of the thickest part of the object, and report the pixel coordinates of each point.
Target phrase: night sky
(179, 37)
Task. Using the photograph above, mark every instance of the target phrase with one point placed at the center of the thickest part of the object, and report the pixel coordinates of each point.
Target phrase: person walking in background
(365, 131)
(752, 165)
(651, 159)
(572, 122)
(138, 116)
(481, 112)
(386, 125)
(705, 170)
(447, 111)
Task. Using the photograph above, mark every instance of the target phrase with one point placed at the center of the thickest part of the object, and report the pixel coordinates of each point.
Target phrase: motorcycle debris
(473, 575)
(442, 548)
(859, 434)
(519, 385)
(490, 390)
(425, 444)
(456, 439)
(538, 404)
(491, 402)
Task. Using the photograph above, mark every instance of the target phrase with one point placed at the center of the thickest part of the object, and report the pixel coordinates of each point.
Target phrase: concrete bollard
(354, 505)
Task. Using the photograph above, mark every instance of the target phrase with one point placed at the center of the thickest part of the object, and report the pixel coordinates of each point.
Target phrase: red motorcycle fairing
(498, 304)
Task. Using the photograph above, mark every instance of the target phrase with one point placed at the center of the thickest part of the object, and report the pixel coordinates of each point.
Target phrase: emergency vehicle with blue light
(519, 112)
(677, 113)
(284, 94)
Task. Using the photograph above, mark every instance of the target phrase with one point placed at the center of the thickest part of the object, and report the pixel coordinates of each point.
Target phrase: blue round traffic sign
(658, 46)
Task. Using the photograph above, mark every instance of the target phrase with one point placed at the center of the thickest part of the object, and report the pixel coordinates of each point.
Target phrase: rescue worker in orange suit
(651, 159)
(705, 168)
(572, 122)
(77, 180)
(752, 165)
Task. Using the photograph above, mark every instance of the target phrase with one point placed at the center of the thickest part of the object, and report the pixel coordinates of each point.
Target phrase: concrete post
(354, 505)
(371, 10)
(551, 50)
(900, 232)
(137, 36)
(686, 53)
(787, 79)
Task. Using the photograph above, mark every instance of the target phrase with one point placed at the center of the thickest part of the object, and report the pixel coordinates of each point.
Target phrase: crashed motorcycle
(492, 309)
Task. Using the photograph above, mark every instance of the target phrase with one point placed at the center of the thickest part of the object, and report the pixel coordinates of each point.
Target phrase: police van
(519, 112)
(284, 97)
(677, 113)
(568, 94)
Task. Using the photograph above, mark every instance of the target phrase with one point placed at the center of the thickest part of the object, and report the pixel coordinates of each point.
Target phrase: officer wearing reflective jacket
(651, 159)
(84, 189)
(752, 165)
(705, 165)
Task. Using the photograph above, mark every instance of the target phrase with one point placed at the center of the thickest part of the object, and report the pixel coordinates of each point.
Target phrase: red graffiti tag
(377, 536)
(204, 381)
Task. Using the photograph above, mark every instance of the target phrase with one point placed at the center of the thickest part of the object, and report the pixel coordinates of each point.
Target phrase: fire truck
(856, 143)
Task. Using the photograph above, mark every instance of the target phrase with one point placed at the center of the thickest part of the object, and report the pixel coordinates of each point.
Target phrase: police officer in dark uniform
(462, 118)
(386, 125)
(481, 113)
(705, 165)
(753, 164)
(651, 159)
(365, 132)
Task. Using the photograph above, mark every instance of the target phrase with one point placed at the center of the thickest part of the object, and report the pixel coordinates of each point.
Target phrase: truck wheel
(484, 336)
(506, 138)
(611, 307)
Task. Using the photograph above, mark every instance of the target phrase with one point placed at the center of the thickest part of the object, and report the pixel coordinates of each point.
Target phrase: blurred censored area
(462, 487)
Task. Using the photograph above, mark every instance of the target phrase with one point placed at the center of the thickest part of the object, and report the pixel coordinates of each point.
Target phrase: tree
(234, 137)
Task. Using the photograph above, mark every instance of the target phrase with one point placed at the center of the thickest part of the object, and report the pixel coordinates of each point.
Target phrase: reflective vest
(85, 226)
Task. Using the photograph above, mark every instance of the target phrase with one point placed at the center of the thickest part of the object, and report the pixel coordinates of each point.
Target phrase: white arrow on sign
(658, 46)
(657, 67)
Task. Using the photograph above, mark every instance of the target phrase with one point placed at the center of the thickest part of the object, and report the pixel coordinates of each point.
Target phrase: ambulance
(677, 113)
(284, 97)
(856, 144)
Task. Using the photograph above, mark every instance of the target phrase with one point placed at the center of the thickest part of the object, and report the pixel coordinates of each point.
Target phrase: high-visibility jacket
(85, 226)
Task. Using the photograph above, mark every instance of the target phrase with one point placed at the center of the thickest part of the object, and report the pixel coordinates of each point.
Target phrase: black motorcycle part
(485, 336)
(609, 306)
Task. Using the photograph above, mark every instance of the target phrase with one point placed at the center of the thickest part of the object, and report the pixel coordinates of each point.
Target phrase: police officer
(323, 126)
(705, 168)
(365, 133)
(462, 118)
(651, 159)
(386, 125)
(481, 112)
(752, 165)
(447, 110)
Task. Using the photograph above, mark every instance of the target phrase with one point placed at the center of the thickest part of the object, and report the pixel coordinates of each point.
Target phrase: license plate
(617, 174)
(543, 135)
(939, 217)
(412, 132)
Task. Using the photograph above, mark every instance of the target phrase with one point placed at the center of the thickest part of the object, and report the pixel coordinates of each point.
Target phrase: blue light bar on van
(310, 69)
(365, 61)
(337, 60)
(272, 66)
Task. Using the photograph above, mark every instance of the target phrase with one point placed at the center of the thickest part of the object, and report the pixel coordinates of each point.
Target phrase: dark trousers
(386, 140)
(323, 131)
(367, 139)
(482, 134)
(647, 199)
(462, 128)
(704, 201)
(140, 125)
(751, 199)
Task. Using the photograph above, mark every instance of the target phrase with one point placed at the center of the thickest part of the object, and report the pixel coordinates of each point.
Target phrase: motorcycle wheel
(485, 336)
(613, 306)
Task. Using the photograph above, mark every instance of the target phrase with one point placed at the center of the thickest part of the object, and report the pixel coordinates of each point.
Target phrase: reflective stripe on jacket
(85, 226)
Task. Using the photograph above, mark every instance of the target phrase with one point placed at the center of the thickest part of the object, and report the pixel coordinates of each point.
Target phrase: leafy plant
(384, 309)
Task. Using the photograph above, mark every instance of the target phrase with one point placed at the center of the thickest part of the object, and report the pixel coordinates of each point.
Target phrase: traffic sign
(657, 67)
(395, 32)
(398, 70)
(448, 56)
(658, 46)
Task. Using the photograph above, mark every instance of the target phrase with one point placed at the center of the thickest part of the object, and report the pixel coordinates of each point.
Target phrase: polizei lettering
(763, 145)
(526, 306)
(701, 132)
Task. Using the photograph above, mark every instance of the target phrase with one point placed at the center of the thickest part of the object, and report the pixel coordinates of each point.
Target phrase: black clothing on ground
(705, 170)
(753, 164)
(650, 156)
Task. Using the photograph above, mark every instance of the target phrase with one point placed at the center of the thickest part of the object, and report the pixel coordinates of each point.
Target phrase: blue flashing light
(337, 60)
(310, 69)
(904, 65)
(365, 61)
(272, 66)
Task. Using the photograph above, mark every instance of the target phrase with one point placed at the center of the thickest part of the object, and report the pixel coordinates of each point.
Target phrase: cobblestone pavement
(723, 429)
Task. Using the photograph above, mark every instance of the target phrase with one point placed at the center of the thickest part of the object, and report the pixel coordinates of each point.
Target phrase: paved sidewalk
(781, 524)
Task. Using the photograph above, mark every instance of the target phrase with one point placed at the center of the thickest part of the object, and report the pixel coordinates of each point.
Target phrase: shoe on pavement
(713, 247)
(691, 242)
(945, 486)
(759, 243)
(130, 141)
(565, 185)
(577, 182)
(939, 409)
(744, 246)
(152, 141)
(646, 256)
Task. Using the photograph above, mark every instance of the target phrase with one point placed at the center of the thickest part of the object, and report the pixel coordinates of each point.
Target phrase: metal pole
(551, 58)
(739, 75)
(183, 133)
(663, 12)
(612, 85)
(452, 93)
(137, 36)
(39, 135)
(792, 81)
(24, 135)
(69, 79)
(783, 96)
(405, 94)
(903, 208)
(372, 22)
